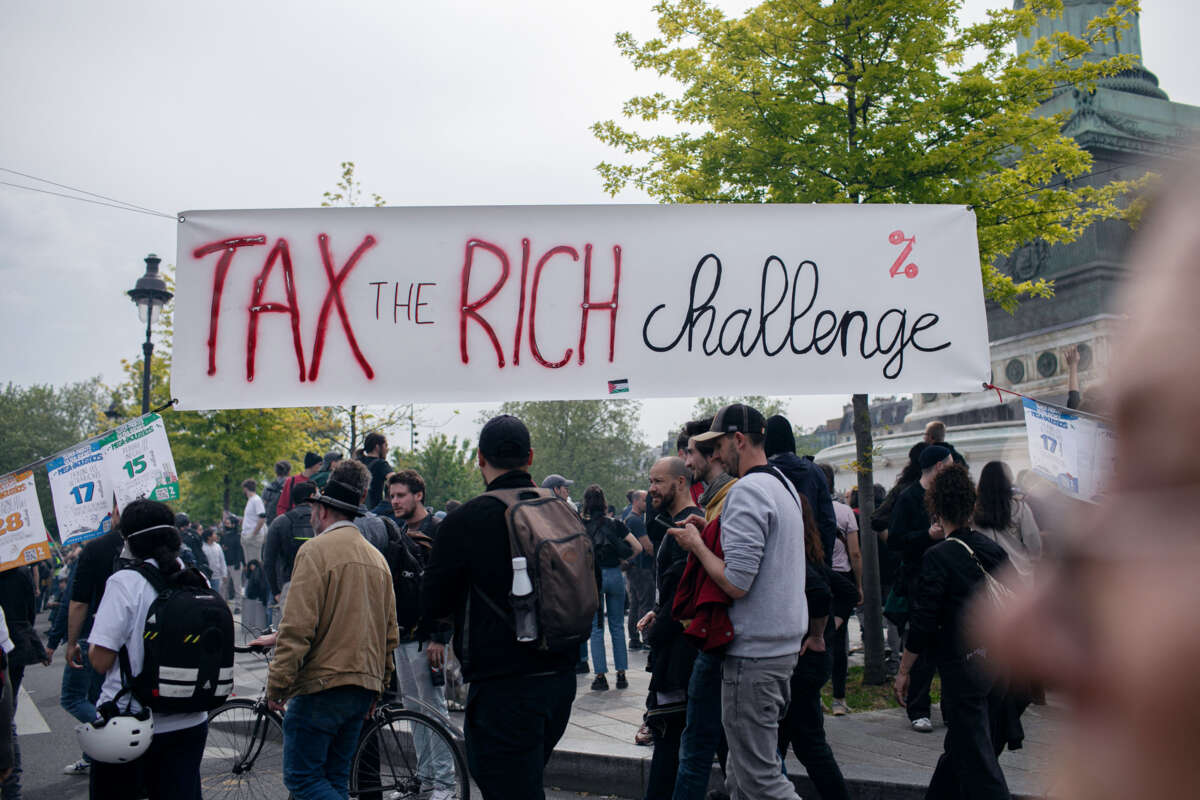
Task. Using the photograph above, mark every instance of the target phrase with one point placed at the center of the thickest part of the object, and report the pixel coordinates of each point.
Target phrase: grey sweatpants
(755, 693)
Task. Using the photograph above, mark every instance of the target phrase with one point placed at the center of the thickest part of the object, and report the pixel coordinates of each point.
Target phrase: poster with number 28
(22, 530)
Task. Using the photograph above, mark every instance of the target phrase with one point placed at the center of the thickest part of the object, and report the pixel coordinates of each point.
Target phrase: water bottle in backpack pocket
(560, 564)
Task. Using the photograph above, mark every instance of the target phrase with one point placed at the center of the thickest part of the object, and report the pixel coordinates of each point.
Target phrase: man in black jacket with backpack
(284, 536)
(520, 697)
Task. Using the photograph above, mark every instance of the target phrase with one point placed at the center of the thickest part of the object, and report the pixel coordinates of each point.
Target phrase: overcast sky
(254, 104)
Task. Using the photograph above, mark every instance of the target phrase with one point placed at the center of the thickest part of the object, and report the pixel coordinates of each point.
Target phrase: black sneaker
(582, 668)
(600, 684)
(635, 645)
(621, 682)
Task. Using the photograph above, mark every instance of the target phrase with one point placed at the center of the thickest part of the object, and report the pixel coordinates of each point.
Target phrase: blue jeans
(320, 732)
(80, 688)
(702, 734)
(612, 584)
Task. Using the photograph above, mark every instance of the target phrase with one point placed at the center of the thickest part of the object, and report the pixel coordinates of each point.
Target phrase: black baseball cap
(933, 454)
(504, 436)
(734, 418)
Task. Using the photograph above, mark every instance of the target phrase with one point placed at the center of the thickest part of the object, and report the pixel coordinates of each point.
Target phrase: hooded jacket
(809, 481)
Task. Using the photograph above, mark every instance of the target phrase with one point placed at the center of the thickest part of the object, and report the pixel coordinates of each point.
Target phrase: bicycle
(402, 753)
(243, 757)
(406, 754)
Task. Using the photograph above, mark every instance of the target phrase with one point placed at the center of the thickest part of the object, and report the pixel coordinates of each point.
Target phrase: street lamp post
(150, 295)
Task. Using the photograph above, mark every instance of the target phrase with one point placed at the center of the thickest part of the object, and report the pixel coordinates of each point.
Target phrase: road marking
(28, 719)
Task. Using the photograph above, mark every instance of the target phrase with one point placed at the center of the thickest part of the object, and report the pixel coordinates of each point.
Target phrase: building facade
(1129, 126)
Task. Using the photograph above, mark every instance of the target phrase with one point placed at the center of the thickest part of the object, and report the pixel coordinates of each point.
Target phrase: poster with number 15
(138, 462)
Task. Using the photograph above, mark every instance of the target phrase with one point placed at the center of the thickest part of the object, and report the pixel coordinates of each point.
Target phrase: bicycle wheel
(404, 754)
(243, 757)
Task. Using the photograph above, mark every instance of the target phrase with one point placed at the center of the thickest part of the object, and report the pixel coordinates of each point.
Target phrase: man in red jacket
(312, 463)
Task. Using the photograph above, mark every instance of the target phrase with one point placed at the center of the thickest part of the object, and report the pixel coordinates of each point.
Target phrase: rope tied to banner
(1001, 391)
(47, 459)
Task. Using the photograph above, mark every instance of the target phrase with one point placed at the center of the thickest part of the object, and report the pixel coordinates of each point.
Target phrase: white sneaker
(840, 709)
(442, 794)
(80, 767)
(923, 725)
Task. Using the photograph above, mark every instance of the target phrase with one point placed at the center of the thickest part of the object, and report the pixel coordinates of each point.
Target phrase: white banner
(388, 305)
(22, 530)
(1073, 451)
(138, 462)
(82, 497)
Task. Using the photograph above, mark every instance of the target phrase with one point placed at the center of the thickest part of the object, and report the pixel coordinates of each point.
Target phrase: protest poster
(373, 305)
(22, 530)
(80, 490)
(138, 462)
(1073, 451)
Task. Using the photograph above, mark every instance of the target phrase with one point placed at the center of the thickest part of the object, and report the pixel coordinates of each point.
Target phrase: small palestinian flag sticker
(619, 386)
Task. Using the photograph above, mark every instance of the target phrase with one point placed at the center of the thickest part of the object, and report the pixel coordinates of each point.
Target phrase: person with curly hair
(951, 572)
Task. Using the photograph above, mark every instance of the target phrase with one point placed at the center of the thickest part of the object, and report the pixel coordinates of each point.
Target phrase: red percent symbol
(910, 270)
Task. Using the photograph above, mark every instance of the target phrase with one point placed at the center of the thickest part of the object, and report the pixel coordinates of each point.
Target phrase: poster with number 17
(82, 499)
(138, 462)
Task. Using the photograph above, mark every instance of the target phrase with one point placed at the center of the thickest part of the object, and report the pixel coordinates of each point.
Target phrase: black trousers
(968, 769)
(839, 650)
(804, 727)
(664, 764)
(512, 726)
(917, 702)
(169, 770)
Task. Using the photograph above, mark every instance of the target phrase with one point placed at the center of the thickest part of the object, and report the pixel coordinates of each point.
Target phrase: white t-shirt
(6, 643)
(847, 524)
(216, 559)
(254, 513)
(121, 622)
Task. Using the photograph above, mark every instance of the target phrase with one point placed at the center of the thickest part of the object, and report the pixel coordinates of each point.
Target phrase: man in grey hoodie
(763, 568)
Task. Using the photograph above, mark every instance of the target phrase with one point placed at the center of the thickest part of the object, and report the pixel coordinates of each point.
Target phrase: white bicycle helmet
(116, 737)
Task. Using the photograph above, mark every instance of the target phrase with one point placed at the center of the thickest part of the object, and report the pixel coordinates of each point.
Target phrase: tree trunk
(353, 430)
(873, 672)
(225, 496)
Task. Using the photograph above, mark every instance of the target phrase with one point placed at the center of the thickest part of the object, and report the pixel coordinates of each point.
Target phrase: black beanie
(779, 437)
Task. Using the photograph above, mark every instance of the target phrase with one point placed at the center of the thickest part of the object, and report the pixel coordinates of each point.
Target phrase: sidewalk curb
(626, 777)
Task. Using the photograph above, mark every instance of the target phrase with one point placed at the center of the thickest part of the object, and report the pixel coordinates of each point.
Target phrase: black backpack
(291, 542)
(407, 564)
(607, 542)
(188, 643)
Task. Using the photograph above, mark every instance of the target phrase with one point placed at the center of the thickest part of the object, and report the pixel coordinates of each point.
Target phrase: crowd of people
(736, 570)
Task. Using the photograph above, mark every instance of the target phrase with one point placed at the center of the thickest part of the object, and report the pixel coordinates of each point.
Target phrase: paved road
(47, 737)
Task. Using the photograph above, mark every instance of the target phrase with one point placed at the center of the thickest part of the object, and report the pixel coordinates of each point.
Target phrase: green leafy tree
(709, 406)
(348, 190)
(448, 466)
(587, 441)
(872, 101)
(40, 420)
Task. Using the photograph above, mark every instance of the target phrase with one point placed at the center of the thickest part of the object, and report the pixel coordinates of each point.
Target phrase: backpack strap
(152, 575)
(507, 616)
(787, 484)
